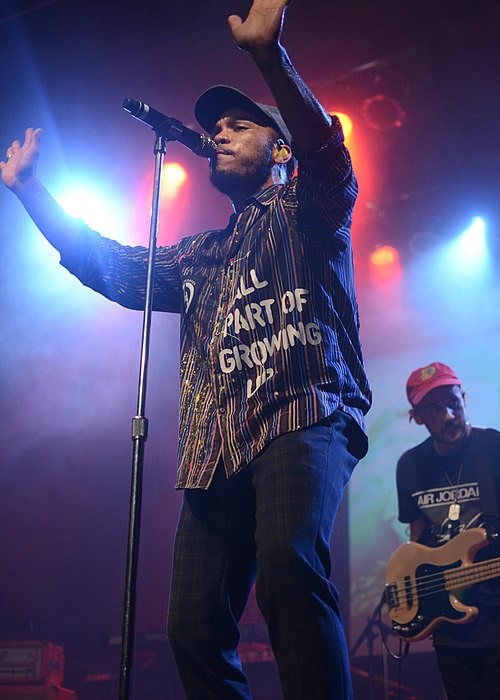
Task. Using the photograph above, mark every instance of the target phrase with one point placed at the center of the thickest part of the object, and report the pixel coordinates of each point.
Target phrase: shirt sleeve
(405, 477)
(327, 187)
(119, 272)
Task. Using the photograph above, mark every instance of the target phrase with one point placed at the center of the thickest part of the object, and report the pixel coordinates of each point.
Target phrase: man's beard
(452, 434)
(239, 186)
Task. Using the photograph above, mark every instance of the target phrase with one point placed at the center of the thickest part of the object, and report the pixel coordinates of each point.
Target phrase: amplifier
(35, 692)
(27, 662)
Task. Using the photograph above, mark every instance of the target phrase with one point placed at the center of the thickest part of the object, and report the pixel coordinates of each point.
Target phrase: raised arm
(260, 34)
(18, 173)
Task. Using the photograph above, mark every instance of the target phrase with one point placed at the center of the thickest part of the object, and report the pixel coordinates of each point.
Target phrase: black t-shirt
(428, 484)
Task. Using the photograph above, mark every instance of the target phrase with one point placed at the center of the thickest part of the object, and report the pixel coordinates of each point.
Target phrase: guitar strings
(430, 584)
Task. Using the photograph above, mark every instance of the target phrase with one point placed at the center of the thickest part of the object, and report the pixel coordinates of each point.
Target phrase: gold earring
(282, 152)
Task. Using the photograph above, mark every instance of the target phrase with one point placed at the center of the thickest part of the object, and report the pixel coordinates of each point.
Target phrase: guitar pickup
(391, 595)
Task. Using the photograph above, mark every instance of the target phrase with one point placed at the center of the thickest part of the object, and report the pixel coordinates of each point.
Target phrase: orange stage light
(384, 256)
(174, 176)
(385, 267)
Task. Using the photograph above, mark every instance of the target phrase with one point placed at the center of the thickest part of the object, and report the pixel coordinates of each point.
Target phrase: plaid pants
(271, 523)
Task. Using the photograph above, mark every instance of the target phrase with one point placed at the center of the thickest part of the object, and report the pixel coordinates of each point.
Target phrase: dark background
(69, 360)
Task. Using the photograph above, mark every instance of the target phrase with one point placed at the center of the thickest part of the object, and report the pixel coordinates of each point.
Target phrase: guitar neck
(469, 575)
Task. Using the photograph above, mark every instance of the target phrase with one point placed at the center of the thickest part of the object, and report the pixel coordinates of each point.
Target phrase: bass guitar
(423, 584)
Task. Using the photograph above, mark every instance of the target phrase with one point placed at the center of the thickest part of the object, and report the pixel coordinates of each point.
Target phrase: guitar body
(423, 584)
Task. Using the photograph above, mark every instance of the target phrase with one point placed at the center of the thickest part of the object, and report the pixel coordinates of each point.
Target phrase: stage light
(94, 205)
(469, 251)
(174, 177)
(384, 256)
(174, 197)
(385, 264)
(473, 239)
(383, 112)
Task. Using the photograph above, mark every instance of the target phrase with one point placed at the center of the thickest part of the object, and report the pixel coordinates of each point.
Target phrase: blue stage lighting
(470, 250)
(95, 205)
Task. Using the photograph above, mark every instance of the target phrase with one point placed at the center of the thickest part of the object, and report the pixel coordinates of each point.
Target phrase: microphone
(170, 128)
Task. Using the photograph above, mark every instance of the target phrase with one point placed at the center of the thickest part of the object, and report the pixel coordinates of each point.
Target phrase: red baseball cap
(424, 379)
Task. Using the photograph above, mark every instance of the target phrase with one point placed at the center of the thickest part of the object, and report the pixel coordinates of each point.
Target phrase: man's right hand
(20, 165)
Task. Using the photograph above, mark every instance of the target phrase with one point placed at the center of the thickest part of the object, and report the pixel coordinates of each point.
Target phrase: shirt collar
(263, 198)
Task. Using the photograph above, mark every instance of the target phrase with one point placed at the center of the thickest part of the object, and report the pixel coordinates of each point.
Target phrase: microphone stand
(370, 635)
(139, 436)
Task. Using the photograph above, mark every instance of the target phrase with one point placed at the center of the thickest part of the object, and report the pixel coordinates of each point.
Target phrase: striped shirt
(269, 318)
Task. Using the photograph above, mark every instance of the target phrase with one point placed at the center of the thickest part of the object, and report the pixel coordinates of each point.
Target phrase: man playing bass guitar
(446, 485)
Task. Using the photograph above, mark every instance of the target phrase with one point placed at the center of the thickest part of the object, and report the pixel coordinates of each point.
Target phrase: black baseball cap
(217, 99)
